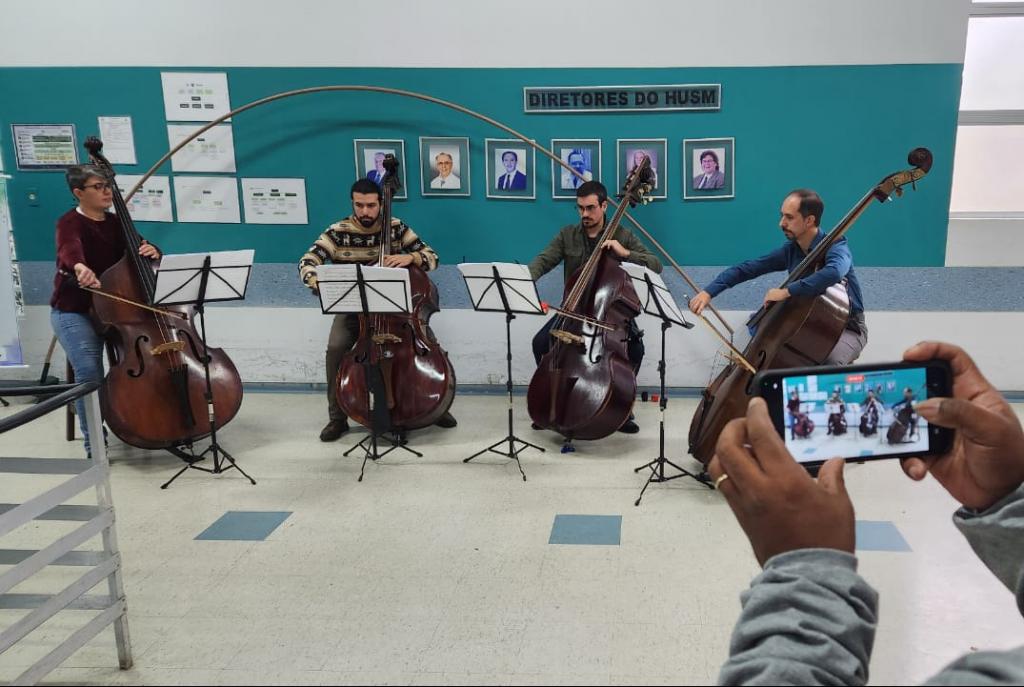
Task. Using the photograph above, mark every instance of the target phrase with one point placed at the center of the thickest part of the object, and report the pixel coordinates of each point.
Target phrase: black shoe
(534, 425)
(447, 421)
(629, 427)
(333, 430)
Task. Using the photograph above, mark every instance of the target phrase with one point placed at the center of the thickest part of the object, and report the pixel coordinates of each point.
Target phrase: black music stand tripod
(348, 289)
(658, 302)
(508, 289)
(181, 282)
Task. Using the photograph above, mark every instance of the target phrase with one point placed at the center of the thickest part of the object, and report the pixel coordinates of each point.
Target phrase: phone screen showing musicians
(855, 414)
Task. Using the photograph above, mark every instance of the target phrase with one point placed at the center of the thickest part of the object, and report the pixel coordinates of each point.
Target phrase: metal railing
(50, 505)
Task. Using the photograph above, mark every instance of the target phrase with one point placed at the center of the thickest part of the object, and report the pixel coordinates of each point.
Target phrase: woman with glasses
(89, 241)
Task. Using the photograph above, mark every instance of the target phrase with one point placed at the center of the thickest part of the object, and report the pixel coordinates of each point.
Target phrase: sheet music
(387, 289)
(520, 289)
(659, 293)
(831, 408)
(178, 278)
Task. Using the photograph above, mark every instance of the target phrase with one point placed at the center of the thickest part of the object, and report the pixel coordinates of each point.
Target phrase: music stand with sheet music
(353, 288)
(657, 300)
(197, 279)
(508, 288)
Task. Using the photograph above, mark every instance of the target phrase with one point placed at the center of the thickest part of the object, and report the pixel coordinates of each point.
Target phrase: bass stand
(390, 294)
(658, 302)
(480, 289)
(222, 460)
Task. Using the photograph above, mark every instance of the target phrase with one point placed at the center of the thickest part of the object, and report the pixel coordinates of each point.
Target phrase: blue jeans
(84, 349)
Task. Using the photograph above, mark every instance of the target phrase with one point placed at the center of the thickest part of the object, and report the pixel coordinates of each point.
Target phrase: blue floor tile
(879, 535)
(586, 529)
(240, 525)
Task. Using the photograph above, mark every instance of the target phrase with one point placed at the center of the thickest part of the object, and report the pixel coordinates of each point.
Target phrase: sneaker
(333, 430)
(629, 427)
(447, 421)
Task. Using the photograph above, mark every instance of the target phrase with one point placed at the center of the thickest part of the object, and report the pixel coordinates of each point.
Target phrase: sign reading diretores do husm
(695, 97)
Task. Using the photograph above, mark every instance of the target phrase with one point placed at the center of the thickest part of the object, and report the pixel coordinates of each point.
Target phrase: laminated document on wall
(10, 342)
(274, 201)
(212, 151)
(152, 202)
(207, 199)
(44, 146)
(118, 140)
(195, 96)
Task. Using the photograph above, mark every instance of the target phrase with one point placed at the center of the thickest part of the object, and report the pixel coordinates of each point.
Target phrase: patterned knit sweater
(348, 241)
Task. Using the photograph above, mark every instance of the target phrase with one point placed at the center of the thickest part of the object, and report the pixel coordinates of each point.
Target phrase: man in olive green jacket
(573, 245)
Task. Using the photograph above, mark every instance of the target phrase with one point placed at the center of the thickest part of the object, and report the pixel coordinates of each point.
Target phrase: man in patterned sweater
(357, 239)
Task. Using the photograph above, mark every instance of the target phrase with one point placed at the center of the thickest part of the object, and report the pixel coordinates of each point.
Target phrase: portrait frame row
(709, 166)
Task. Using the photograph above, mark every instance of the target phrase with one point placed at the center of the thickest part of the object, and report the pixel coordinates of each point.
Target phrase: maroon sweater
(98, 245)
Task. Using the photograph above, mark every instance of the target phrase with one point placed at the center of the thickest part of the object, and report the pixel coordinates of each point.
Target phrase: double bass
(796, 332)
(154, 396)
(902, 421)
(397, 357)
(585, 385)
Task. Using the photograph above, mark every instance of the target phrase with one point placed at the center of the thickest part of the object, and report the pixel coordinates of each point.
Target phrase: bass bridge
(567, 337)
(168, 347)
(386, 338)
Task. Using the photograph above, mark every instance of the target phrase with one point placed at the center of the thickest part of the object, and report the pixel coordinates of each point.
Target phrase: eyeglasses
(100, 186)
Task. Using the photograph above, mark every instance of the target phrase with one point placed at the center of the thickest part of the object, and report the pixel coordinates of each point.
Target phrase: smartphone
(856, 412)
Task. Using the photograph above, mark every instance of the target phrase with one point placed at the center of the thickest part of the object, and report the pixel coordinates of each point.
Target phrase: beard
(367, 221)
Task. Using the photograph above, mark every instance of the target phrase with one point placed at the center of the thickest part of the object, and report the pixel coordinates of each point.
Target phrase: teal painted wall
(838, 130)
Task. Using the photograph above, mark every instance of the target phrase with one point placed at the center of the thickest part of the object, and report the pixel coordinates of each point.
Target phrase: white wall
(479, 33)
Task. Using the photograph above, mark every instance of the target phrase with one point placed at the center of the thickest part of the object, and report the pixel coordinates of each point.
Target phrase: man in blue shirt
(800, 219)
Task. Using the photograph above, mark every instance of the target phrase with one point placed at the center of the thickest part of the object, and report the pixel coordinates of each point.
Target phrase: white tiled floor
(435, 572)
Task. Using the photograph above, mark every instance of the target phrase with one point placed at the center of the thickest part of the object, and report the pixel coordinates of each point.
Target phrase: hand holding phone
(779, 506)
(986, 462)
(858, 412)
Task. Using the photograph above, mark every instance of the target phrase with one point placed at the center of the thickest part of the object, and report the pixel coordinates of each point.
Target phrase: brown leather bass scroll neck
(798, 331)
(585, 385)
(154, 394)
(406, 364)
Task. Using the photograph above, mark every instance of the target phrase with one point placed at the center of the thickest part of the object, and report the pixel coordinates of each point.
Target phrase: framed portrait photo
(709, 168)
(444, 166)
(631, 151)
(370, 154)
(510, 169)
(583, 155)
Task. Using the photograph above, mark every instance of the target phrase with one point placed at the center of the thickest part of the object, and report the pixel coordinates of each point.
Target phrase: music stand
(657, 301)
(353, 288)
(508, 288)
(197, 279)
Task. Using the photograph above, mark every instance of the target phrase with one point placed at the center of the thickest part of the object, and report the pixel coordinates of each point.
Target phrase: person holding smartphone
(809, 618)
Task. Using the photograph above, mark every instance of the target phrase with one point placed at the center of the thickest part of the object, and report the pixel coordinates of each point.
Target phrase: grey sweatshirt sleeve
(810, 619)
(807, 619)
(997, 536)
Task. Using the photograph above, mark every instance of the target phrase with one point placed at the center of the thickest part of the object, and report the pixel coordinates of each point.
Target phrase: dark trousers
(634, 344)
